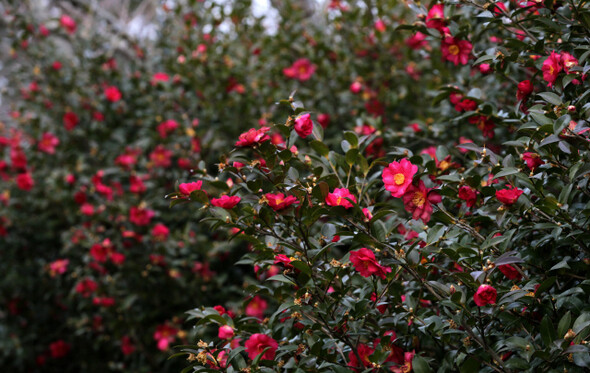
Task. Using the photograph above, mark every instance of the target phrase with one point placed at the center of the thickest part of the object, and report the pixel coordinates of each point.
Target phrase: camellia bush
(448, 234)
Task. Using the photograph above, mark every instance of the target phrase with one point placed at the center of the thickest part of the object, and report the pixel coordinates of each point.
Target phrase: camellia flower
(48, 143)
(484, 295)
(510, 272)
(160, 78)
(226, 202)
(551, 68)
(58, 267)
(253, 137)
(140, 216)
(160, 232)
(259, 342)
(24, 181)
(302, 70)
(68, 23)
(339, 198)
(164, 335)
(417, 41)
(256, 307)
(112, 93)
(364, 352)
(509, 195)
(365, 263)
(324, 120)
(456, 51)
(167, 127)
(525, 88)
(59, 349)
(160, 157)
(484, 123)
(468, 194)
(532, 160)
(188, 188)
(436, 17)
(279, 202)
(398, 176)
(70, 120)
(225, 332)
(86, 287)
(568, 61)
(418, 201)
(127, 346)
(283, 259)
(303, 125)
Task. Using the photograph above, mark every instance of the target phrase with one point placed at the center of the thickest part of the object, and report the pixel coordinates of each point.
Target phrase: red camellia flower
(484, 295)
(509, 195)
(510, 272)
(253, 137)
(418, 201)
(398, 176)
(59, 349)
(160, 78)
(302, 70)
(188, 188)
(70, 120)
(257, 343)
(468, 194)
(160, 157)
(456, 51)
(127, 346)
(436, 17)
(279, 202)
(417, 41)
(551, 68)
(532, 160)
(225, 332)
(68, 23)
(283, 259)
(167, 127)
(140, 216)
(568, 61)
(160, 232)
(164, 335)
(48, 143)
(339, 198)
(365, 263)
(256, 307)
(364, 352)
(525, 88)
(324, 120)
(24, 181)
(484, 123)
(112, 93)
(86, 287)
(103, 301)
(226, 202)
(303, 125)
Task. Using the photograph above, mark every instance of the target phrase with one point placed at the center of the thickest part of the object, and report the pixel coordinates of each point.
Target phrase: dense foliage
(407, 189)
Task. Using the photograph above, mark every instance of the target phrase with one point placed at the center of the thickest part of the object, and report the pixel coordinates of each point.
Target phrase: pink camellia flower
(303, 125)
(70, 120)
(510, 272)
(484, 295)
(160, 232)
(112, 93)
(24, 181)
(417, 41)
(456, 51)
(279, 202)
(68, 23)
(406, 365)
(339, 198)
(167, 127)
(225, 332)
(525, 88)
(398, 176)
(418, 201)
(551, 68)
(187, 188)
(259, 342)
(136, 184)
(568, 61)
(509, 195)
(160, 78)
(226, 202)
(128, 159)
(324, 120)
(87, 209)
(103, 301)
(59, 349)
(302, 70)
(468, 194)
(256, 307)
(253, 137)
(283, 259)
(436, 17)
(380, 25)
(485, 68)
(48, 143)
(140, 216)
(365, 263)
(164, 335)
(532, 160)
(356, 87)
(368, 214)
(160, 157)
(58, 267)
(363, 352)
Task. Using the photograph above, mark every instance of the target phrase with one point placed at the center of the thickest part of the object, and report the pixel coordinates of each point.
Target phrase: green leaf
(564, 324)
(319, 147)
(282, 278)
(551, 98)
(548, 334)
(420, 365)
(561, 123)
(541, 119)
(507, 171)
